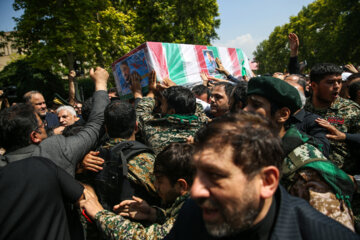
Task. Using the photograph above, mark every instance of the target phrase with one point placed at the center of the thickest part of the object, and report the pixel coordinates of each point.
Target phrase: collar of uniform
(113, 141)
(175, 207)
(311, 108)
(336, 104)
(300, 115)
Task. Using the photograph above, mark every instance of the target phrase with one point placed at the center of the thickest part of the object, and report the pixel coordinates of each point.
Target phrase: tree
(25, 77)
(178, 21)
(327, 30)
(56, 33)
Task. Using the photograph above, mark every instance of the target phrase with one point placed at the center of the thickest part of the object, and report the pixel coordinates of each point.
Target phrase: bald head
(36, 99)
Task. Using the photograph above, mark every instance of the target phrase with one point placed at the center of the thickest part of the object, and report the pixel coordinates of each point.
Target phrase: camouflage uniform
(159, 131)
(309, 175)
(345, 116)
(117, 227)
(140, 167)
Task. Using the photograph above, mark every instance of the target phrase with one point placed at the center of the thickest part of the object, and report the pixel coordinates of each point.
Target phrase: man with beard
(220, 99)
(343, 114)
(236, 188)
(307, 173)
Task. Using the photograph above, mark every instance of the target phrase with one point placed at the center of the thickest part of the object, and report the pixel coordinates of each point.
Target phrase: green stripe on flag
(174, 62)
(241, 61)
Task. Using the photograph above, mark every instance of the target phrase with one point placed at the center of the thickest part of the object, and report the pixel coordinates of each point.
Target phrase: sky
(244, 24)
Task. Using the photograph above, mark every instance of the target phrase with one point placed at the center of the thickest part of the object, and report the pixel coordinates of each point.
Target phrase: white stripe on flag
(246, 64)
(191, 64)
(226, 59)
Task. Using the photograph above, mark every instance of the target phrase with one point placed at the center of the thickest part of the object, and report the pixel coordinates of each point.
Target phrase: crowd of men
(270, 157)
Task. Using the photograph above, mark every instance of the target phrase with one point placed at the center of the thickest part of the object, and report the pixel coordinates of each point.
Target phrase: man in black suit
(236, 192)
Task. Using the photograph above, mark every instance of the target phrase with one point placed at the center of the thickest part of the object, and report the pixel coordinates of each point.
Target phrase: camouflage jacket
(160, 131)
(309, 175)
(301, 154)
(298, 152)
(140, 167)
(345, 116)
(117, 227)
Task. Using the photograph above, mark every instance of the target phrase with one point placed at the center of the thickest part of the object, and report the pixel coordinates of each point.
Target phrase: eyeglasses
(37, 129)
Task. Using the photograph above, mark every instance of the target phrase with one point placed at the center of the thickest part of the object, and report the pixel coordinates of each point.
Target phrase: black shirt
(33, 192)
(261, 230)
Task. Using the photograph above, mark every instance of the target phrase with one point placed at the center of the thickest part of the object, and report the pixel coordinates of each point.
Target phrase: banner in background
(182, 63)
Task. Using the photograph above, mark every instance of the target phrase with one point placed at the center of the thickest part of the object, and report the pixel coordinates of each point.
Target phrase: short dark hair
(321, 70)
(199, 90)
(253, 138)
(16, 124)
(353, 76)
(228, 87)
(353, 90)
(238, 95)
(120, 119)
(86, 108)
(112, 90)
(181, 99)
(175, 162)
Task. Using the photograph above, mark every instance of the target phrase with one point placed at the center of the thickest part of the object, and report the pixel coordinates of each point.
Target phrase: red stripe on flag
(201, 60)
(235, 62)
(158, 54)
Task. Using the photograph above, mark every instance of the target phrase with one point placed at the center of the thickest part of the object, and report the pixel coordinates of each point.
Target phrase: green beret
(275, 90)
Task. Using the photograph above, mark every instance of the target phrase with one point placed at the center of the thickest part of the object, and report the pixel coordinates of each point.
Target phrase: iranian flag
(182, 63)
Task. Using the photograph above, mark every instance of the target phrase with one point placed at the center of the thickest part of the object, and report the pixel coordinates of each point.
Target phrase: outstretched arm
(294, 44)
(71, 77)
(137, 209)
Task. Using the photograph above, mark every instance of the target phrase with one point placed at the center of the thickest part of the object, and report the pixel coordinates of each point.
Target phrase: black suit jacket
(295, 219)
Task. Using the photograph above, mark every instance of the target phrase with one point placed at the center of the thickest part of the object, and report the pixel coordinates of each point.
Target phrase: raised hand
(167, 82)
(204, 78)
(351, 68)
(135, 87)
(221, 67)
(100, 77)
(293, 44)
(72, 74)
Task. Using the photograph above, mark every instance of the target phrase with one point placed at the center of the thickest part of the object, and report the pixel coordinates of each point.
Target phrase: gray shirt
(66, 152)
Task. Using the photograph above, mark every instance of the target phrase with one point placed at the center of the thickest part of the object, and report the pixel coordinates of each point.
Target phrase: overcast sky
(244, 23)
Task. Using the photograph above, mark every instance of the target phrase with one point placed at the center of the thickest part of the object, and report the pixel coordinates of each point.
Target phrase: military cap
(275, 90)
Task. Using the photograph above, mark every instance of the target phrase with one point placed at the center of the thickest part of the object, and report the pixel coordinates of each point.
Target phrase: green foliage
(97, 32)
(55, 34)
(176, 21)
(22, 75)
(327, 30)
